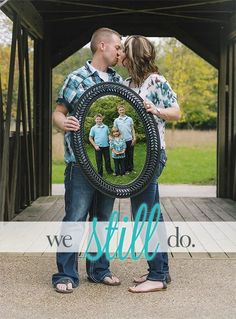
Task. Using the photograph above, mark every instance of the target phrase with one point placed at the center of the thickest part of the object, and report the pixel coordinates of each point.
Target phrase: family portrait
(137, 54)
(117, 159)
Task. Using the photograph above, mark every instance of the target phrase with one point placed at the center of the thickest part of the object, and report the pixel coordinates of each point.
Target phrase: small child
(99, 138)
(118, 146)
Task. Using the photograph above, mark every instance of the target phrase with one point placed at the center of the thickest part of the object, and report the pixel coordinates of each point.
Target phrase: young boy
(125, 125)
(99, 138)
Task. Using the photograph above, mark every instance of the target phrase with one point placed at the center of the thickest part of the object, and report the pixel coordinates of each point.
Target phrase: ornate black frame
(151, 131)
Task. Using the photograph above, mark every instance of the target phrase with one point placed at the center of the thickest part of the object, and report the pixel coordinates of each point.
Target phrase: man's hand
(97, 148)
(133, 141)
(71, 124)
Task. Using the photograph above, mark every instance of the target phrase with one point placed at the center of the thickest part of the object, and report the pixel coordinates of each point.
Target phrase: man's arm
(63, 122)
(133, 136)
(91, 140)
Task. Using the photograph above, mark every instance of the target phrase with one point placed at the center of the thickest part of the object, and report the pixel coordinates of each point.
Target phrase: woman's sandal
(144, 278)
(140, 279)
(131, 289)
(64, 291)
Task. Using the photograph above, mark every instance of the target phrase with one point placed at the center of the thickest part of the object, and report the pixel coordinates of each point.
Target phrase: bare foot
(111, 281)
(64, 287)
(148, 286)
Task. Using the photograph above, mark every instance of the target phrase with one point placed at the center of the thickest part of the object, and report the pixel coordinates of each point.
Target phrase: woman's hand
(151, 108)
(167, 114)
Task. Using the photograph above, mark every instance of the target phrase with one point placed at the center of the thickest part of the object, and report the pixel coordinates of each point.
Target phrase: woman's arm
(167, 114)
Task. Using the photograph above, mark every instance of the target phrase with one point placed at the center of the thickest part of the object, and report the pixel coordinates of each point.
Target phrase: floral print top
(119, 145)
(157, 90)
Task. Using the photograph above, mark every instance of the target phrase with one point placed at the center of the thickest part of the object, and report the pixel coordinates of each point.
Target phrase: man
(79, 194)
(99, 138)
(125, 125)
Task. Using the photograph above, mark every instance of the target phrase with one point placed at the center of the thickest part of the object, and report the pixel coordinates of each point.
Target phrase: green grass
(190, 166)
(185, 165)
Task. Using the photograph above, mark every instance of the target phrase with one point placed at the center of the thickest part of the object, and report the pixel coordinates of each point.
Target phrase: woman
(159, 99)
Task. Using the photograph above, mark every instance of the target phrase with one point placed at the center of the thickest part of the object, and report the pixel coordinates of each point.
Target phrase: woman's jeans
(158, 266)
(81, 198)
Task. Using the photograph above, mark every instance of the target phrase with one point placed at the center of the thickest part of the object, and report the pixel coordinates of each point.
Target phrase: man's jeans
(81, 198)
(158, 266)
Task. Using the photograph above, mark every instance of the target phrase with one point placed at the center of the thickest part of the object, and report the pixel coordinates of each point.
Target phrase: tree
(194, 81)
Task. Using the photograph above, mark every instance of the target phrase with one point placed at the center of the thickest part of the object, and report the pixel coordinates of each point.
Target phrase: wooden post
(226, 143)
(5, 157)
(43, 116)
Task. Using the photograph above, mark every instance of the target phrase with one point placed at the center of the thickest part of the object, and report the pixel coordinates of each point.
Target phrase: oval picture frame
(151, 130)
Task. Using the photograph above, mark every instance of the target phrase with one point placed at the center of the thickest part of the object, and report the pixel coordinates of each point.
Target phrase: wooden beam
(229, 123)
(6, 149)
(47, 118)
(30, 17)
(232, 28)
(234, 123)
(25, 140)
(221, 121)
(37, 100)
(69, 49)
(2, 2)
(1, 124)
(195, 45)
(30, 134)
(43, 116)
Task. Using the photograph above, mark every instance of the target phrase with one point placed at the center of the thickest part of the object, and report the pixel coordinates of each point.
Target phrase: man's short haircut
(98, 115)
(101, 35)
(120, 106)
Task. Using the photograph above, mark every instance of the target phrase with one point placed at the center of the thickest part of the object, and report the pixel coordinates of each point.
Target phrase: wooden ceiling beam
(30, 18)
(195, 45)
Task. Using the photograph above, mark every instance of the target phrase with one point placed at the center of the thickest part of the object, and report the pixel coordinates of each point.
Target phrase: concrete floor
(200, 288)
(177, 190)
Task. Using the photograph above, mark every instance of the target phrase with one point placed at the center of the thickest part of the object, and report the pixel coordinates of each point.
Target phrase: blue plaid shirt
(74, 86)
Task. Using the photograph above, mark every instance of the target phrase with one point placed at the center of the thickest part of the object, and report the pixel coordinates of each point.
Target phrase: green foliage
(107, 106)
(194, 81)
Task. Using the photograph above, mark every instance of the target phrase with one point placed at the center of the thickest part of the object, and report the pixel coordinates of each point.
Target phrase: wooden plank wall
(25, 151)
(17, 171)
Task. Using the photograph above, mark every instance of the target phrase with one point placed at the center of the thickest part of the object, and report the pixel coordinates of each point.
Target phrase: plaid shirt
(74, 86)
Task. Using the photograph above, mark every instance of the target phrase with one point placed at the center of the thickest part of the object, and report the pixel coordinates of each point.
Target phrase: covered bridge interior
(61, 27)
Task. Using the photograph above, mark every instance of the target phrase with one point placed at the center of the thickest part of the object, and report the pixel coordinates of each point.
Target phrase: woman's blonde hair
(114, 129)
(139, 58)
